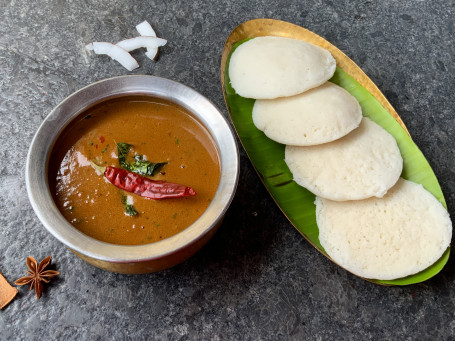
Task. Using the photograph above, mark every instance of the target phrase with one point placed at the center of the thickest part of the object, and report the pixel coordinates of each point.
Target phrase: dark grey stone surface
(257, 278)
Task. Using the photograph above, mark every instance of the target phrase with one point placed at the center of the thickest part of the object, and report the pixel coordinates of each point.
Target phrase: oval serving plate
(267, 156)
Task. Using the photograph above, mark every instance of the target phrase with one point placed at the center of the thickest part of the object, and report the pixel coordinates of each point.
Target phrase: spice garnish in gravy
(155, 131)
(145, 187)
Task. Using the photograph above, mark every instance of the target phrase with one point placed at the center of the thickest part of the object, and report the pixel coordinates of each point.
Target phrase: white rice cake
(396, 236)
(271, 67)
(364, 163)
(320, 115)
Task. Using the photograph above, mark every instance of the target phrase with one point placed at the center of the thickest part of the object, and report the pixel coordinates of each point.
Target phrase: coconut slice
(115, 52)
(138, 42)
(364, 163)
(271, 67)
(396, 236)
(320, 115)
(145, 29)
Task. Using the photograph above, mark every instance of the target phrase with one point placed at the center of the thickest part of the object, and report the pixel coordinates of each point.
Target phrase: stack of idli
(370, 221)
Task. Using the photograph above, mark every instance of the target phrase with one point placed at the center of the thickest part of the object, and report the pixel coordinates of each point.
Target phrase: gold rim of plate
(271, 27)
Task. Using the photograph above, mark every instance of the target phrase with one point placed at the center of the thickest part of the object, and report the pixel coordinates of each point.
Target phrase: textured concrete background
(257, 278)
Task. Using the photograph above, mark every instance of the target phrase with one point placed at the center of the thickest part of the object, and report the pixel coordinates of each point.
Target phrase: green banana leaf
(296, 202)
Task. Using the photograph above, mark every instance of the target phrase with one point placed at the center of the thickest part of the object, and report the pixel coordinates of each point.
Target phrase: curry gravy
(158, 130)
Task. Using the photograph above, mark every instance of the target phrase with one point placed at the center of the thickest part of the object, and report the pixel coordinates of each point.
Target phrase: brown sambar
(160, 131)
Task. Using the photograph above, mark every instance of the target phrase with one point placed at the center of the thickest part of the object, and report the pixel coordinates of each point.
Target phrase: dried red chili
(145, 187)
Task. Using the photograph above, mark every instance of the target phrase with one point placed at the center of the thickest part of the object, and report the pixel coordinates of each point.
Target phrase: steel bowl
(133, 259)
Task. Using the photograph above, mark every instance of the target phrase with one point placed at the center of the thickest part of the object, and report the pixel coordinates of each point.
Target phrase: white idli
(398, 235)
(320, 115)
(364, 163)
(271, 67)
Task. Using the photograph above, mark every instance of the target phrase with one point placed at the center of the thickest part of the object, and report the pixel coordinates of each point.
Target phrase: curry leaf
(122, 152)
(129, 209)
(139, 166)
(145, 167)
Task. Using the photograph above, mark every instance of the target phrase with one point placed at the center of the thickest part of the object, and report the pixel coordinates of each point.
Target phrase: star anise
(36, 275)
